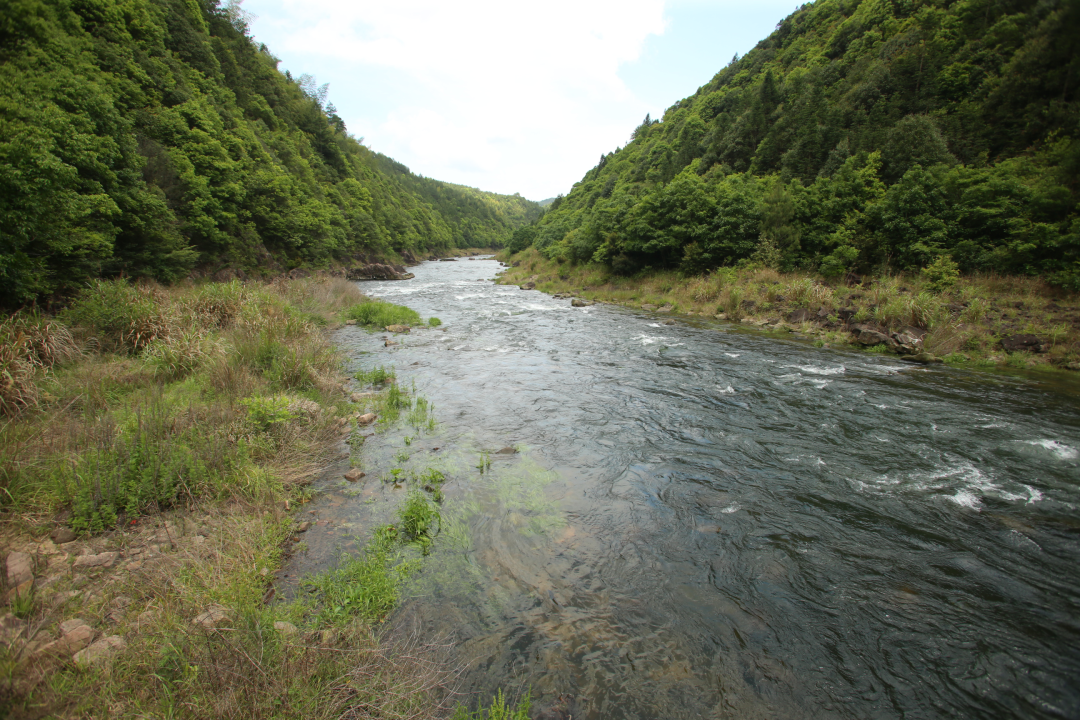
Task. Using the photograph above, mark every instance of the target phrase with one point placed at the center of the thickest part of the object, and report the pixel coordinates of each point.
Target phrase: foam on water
(1060, 450)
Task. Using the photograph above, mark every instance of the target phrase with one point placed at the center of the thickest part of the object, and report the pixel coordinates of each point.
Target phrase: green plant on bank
(376, 376)
(498, 710)
(379, 314)
(422, 415)
(419, 518)
(265, 412)
(367, 585)
(941, 274)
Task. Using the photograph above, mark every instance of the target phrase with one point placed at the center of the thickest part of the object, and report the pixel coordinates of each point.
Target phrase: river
(704, 522)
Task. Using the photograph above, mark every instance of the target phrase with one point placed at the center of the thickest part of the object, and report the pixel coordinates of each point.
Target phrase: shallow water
(705, 522)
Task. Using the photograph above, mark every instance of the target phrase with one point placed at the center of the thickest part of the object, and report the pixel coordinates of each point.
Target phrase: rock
(845, 314)
(101, 560)
(101, 651)
(528, 286)
(378, 271)
(748, 305)
(648, 307)
(62, 535)
(665, 308)
(75, 634)
(19, 569)
(12, 630)
(398, 328)
(669, 322)
(721, 316)
(286, 628)
(924, 358)
(507, 451)
(354, 475)
(800, 315)
(578, 302)
(214, 616)
(20, 591)
(366, 419)
(389, 343)
(906, 343)
(868, 335)
(954, 308)
(1022, 343)
(350, 322)
(303, 527)
(117, 607)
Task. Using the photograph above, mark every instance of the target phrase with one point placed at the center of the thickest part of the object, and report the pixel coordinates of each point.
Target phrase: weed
(365, 586)
(877, 348)
(485, 462)
(22, 605)
(401, 457)
(421, 415)
(408, 440)
(376, 376)
(419, 519)
(434, 322)
(499, 710)
(265, 412)
(379, 314)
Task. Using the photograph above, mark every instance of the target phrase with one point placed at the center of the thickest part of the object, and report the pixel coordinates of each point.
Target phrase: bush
(376, 313)
(122, 317)
(941, 274)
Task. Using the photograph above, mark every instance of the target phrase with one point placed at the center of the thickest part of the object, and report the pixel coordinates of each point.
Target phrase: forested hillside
(151, 137)
(859, 135)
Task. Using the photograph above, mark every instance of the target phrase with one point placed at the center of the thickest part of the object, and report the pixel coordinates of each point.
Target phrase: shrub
(941, 274)
(122, 317)
(265, 412)
(375, 313)
(434, 322)
(182, 353)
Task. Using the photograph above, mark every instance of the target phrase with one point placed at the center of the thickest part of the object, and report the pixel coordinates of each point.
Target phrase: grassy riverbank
(155, 445)
(965, 321)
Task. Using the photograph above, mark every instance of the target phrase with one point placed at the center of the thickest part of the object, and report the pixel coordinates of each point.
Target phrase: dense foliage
(861, 134)
(148, 137)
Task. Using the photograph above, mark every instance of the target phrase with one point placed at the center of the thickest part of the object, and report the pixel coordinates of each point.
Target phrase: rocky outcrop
(1028, 343)
(378, 271)
(870, 335)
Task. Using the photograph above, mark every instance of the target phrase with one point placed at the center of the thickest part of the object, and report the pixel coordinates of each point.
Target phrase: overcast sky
(501, 95)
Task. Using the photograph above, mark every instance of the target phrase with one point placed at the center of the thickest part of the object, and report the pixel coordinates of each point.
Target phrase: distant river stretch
(707, 523)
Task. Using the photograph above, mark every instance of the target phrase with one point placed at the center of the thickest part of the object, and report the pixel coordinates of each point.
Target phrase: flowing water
(704, 522)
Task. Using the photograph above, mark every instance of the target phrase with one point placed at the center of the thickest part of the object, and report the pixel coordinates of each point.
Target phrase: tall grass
(375, 313)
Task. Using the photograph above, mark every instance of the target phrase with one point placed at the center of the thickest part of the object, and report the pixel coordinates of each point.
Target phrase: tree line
(860, 135)
(151, 137)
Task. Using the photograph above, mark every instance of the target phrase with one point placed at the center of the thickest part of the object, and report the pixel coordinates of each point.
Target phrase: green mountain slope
(859, 135)
(148, 137)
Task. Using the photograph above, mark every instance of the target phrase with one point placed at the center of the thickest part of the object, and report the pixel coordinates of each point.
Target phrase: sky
(503, 95)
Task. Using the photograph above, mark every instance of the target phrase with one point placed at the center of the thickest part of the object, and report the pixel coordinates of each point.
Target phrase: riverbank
(1009, 322)
(157, 449)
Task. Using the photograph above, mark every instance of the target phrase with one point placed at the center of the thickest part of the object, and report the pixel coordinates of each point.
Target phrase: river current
(703, 522)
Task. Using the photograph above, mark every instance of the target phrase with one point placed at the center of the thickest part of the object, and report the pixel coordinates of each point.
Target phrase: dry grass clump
(29, 344)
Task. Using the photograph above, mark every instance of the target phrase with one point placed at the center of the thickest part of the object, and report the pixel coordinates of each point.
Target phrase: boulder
(62, 535)
(19, 569)
(378, 271)
(101, 651)
(528, 286)
(366, 419)
(214, 616)
(907, 343)
(1024, 343)
(665, 308)
(800, 315)
(924, 358)
(578, 302)
(506, 451)
(75, 634)
(354, 475)
(869, 335)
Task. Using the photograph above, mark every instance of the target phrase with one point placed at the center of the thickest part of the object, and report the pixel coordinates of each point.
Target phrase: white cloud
(507, 96)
